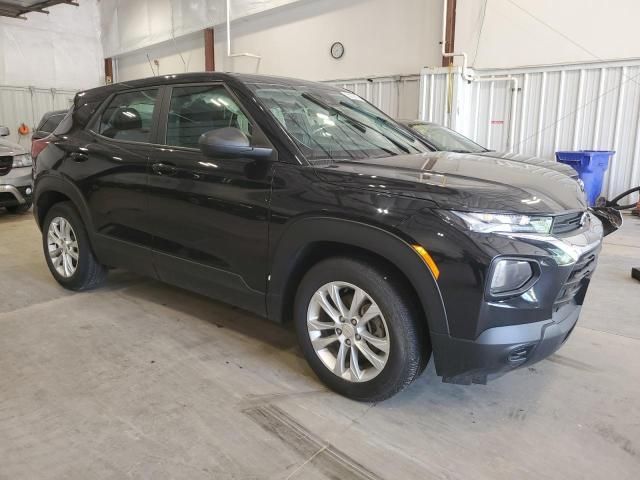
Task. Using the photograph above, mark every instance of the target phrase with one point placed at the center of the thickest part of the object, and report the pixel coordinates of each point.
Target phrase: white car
(16, 185)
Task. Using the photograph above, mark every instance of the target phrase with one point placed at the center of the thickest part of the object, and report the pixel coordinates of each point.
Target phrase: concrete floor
(139, 379)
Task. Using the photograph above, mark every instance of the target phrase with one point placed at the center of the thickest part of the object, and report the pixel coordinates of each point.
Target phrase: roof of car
(54, 112)
(195, 77)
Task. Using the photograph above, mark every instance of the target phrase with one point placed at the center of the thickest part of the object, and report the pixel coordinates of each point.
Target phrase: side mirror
(4, 132)
(230, 142)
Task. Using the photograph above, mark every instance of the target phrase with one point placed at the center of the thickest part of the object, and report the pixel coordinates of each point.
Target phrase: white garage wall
(59, 50)
(129, 25)
(44, 60)
(185, 54)
(579, 107)
(27, 105)
(381, 37)
(518, 33)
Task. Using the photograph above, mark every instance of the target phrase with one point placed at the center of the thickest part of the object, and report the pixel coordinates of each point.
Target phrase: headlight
(496, 222)
(22, 161)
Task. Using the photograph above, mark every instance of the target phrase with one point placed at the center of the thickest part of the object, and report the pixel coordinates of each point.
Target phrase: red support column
(108, 71)
(450, 34)
(209, 53)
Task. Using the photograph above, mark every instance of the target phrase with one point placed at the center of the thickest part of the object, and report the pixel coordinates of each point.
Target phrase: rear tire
(357, 352)
(67, 249)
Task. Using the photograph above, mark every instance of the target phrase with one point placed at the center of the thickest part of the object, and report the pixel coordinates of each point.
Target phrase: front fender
(305, 232)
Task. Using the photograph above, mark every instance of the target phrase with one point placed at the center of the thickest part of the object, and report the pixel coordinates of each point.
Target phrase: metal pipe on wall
(443, 44)
(229, 54)
(470, 77)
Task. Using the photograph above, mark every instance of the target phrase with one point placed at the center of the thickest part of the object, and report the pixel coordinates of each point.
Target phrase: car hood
(10, 149)
(461, 181)
(541, 162)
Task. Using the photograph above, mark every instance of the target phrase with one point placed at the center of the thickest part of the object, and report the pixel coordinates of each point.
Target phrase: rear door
(115, 166)
(209, 215)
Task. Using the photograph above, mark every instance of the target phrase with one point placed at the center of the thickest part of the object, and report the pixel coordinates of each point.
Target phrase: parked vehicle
(447, 140)
(48, 123)
(15, 175)
(304, 203)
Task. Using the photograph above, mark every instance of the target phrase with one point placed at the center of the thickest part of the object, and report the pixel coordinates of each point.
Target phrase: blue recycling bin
(590, 165)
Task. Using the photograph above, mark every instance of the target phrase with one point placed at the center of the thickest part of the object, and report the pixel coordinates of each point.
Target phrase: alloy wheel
(348, 331)
(63, 247)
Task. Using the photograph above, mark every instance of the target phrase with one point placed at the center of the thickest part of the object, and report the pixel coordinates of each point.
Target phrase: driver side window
(199, 109)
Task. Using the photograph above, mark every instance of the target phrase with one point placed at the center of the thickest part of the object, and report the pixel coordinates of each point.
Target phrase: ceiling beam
(17, 11)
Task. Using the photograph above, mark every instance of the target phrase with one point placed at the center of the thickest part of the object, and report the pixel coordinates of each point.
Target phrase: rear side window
(51, 123)
(129, 116)
(77, 117)
(199, 109)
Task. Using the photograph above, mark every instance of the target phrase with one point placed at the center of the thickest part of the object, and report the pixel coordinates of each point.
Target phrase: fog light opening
(28, 191)
(519, 354)
(511, 276)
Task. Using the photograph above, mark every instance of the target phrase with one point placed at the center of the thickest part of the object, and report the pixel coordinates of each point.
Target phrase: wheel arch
(49, 190)
(312, 239)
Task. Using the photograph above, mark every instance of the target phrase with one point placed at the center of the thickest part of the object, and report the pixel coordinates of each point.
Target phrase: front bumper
(16, 188)
(499, 335)
(501, 349)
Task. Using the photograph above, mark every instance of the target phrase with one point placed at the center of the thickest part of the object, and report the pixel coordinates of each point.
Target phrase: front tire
(67, 249)
(360, 329)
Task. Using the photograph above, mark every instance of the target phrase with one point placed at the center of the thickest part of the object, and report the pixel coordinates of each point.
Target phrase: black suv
(302, 202)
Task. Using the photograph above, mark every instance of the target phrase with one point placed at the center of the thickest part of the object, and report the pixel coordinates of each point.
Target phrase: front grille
(5, 165)
(575, 288)
(567, 223)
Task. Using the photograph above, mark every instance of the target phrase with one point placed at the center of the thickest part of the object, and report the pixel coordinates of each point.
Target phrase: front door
(210, 215)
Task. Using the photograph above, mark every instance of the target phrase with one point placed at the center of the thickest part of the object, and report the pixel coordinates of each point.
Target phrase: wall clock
(337, 50)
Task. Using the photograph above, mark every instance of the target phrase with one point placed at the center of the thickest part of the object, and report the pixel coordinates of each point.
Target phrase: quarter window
(199, 109)
(129, 116)
(51, 123)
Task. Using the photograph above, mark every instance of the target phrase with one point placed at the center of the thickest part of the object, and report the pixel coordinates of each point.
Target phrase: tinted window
(51, 123)
(129, 116)
(77, 116)
(200, 109)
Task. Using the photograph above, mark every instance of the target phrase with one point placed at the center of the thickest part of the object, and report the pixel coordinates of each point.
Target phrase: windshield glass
(447, 140)
(327, 123)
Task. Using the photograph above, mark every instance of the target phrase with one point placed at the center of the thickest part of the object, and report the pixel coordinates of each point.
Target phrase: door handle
(163, 169)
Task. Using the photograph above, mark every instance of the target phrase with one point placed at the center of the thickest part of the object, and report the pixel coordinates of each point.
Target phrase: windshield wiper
(380, 119)
(361, 126)
(356, 123)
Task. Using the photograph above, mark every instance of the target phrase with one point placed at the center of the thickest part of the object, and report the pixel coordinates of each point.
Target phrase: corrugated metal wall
(571, 107)
(397, 96)
(27, 105)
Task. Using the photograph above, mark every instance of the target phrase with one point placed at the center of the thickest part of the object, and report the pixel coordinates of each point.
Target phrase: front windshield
(447, 140)
(328, 123)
